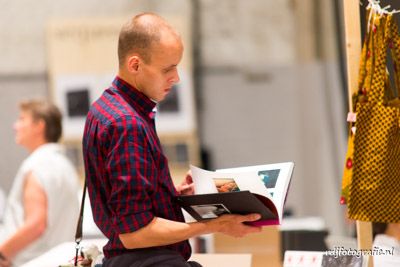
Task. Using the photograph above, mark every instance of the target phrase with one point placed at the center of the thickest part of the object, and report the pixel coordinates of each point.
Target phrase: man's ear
(133, 63)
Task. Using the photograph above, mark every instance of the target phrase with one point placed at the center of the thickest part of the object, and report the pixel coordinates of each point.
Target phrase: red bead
(374, 28)
(342, 201)
(369, 53)
(349, 163)
(364, 91)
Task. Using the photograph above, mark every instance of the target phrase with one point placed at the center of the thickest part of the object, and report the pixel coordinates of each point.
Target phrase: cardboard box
(264, 247)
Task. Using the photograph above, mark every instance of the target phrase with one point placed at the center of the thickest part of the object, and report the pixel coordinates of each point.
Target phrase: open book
(255, 189)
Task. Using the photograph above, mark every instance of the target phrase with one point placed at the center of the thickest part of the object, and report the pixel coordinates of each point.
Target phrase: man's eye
(169, 69)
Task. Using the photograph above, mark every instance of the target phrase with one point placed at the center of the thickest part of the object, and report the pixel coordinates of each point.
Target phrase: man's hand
(187, 186)
(233, 225)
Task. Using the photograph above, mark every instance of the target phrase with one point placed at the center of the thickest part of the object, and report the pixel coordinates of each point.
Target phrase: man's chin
(161, 98)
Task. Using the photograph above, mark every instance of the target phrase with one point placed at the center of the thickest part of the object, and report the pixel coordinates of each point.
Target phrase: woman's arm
(35, 223)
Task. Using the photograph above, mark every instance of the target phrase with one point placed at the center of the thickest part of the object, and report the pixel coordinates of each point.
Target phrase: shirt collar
(134, 96)
(52, 147)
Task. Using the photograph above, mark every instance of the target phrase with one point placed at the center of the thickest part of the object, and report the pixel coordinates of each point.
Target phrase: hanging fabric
(364, 85)
(371, 183)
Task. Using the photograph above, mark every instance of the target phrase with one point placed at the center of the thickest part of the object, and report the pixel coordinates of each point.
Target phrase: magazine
(254, 189)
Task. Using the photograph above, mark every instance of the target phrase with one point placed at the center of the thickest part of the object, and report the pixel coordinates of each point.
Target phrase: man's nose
(175, 79)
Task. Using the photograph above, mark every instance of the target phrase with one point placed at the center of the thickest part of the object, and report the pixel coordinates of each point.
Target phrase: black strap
(78, 233)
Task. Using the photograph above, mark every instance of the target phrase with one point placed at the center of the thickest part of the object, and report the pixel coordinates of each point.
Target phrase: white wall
(290, 116)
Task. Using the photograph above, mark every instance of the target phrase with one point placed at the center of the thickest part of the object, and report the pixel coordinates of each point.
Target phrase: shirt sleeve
(130, 169)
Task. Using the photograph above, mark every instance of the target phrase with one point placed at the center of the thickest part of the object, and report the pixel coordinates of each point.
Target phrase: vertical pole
(353, 51)
(353, 44)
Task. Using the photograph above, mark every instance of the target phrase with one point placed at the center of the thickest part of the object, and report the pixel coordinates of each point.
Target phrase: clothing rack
(352, 27)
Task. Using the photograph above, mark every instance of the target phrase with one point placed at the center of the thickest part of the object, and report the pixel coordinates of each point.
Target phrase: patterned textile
(364, 85)
(373, 186)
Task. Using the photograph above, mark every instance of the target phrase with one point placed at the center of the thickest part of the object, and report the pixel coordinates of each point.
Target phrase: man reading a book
(129, 184)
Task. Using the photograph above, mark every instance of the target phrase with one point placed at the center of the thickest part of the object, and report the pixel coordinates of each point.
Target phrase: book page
(206, 182)
(203, 182)
(274, 177)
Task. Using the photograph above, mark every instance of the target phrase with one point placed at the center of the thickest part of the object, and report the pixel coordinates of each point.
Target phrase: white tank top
(58, 178)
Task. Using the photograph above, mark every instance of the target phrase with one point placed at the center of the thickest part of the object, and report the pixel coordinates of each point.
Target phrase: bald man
(130, 188)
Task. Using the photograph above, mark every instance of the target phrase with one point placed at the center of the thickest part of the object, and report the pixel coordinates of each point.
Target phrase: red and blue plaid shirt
(126, 171)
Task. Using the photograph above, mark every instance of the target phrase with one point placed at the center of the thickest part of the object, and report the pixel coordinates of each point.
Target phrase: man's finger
(253, 229)
(189, 178)
(250, 217)
(184, 187)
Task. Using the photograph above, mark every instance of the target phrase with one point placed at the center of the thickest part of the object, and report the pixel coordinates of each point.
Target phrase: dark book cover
(210, 206)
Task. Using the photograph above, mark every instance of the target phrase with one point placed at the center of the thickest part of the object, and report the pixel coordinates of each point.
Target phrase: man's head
(38, 122)
(149, 51)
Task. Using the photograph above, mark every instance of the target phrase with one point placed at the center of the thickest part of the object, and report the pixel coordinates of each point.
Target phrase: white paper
(282, 173)
(270, 181)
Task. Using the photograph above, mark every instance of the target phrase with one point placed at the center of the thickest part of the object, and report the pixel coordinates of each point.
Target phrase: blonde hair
(49, 113)
(139, 35)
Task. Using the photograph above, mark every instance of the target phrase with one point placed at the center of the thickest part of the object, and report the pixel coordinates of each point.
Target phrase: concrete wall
(23, 71)
(285, 117)
(14, 89)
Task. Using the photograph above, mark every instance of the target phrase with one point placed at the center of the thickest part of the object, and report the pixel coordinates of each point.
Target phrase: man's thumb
(252, 217)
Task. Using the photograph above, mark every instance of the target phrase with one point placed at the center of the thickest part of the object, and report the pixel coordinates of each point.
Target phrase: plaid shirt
(126, 171)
